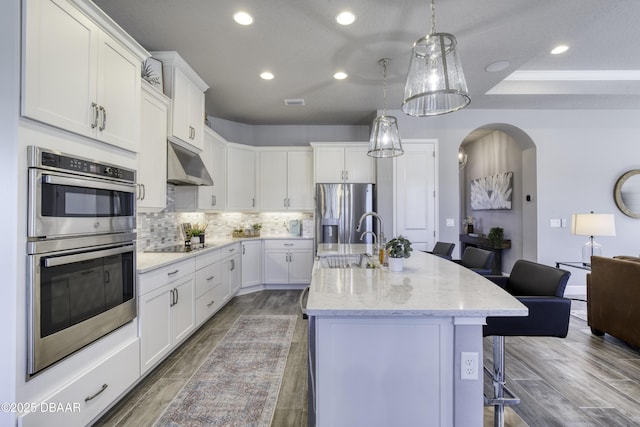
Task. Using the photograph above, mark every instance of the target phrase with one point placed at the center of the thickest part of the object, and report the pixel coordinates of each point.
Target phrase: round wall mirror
(627, 193)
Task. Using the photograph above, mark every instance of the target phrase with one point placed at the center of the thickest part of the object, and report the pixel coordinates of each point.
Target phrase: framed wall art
(492, 192)
(152, 73)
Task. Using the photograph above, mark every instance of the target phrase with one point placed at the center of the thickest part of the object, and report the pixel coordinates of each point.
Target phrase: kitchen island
(386, 347)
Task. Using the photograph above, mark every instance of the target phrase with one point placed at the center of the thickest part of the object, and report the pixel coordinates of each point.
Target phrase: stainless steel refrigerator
(338, 209)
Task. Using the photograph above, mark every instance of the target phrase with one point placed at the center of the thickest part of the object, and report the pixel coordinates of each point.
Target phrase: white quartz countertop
(428, 286)
(147, 261)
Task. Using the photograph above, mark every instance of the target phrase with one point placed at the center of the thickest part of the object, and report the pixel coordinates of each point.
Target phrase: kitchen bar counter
(386, 348)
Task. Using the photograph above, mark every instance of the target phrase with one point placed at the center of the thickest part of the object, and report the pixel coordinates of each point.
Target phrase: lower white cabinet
(81, 400)
(211, 292)
(231, 268)
(251, 263)
(288, 261)
(166, 310)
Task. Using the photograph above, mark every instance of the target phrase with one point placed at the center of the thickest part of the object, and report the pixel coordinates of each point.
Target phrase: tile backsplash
(161, 229)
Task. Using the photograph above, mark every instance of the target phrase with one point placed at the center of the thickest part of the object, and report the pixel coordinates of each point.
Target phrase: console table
(483, 243)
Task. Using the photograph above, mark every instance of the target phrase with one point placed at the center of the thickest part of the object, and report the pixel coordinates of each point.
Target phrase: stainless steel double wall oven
(81, 278)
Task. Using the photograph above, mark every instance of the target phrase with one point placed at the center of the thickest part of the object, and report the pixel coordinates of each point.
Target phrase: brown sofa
(613, 298)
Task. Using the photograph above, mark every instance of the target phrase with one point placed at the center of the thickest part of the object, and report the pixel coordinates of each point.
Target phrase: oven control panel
(63, 162)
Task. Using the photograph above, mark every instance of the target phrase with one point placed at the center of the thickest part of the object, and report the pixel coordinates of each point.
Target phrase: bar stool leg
(498, 380)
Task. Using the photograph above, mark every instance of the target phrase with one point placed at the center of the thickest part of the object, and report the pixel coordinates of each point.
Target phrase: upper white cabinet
(344, 162)
(152, 180)
(241, 177)
(214, 156)
(78, 77)
(183, 85)
(285, 179)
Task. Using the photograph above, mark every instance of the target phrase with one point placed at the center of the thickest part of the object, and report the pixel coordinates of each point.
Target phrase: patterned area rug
(239, 382)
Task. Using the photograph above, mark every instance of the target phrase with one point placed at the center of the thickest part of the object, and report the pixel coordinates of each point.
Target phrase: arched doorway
(493, 149)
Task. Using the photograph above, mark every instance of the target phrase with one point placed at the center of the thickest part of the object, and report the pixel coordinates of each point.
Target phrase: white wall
(580, 155)
(12, 277)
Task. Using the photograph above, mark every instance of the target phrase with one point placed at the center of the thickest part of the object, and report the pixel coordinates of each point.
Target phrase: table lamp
(591, 224)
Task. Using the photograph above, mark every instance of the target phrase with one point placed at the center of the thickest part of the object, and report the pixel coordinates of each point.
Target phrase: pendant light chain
(433, 16)
(384, 86)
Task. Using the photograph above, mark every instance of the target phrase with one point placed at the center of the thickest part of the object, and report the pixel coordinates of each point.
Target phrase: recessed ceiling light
(345, 18)
(497, 66)
(340, 75)
(266, 75)
(243, 18)
(559, 49)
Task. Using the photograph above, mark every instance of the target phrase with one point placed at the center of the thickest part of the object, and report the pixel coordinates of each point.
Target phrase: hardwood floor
(582, 380)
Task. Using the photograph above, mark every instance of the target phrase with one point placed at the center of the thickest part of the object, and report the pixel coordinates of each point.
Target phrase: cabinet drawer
(288, 244)
(209, 303)
(207, 278)
(230, 250)
(208, 258)
(155, 279)
(90, 394)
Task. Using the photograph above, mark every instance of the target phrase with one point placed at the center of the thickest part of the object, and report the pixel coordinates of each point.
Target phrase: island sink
(346, 261)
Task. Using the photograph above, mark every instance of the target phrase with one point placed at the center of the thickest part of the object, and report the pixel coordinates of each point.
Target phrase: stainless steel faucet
(375, 238)
(380, 228)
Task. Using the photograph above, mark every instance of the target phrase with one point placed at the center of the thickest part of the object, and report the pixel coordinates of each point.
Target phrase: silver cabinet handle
(93, 396)
(94, 123)
(243, 250)
(172, 273)
(233, 264)
(144, 191)
(288, 244)
(232, 250)
(172, 298)
(103, 118)
(177, 296)
(213, 200)
(210, 278)
(253, 202)
(211, 303)
(346, 174)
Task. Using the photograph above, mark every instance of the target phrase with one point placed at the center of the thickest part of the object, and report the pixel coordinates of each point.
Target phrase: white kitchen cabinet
(214, 156)
(241, 177)
(347, 162)
(211, 293)
(152, 180)
(166, 310)
(231, 268)
(186, 89)
(285, 179)
(288, 261)
(78, 77)
(91, 392)
(414, 203)
(251, 263)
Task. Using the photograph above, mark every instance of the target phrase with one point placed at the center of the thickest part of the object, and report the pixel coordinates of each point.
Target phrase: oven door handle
(82, 182)
(85, 256)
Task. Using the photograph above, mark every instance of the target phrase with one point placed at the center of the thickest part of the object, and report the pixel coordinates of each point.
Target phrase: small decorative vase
(195, 240)
(201, 239)
(395, 264)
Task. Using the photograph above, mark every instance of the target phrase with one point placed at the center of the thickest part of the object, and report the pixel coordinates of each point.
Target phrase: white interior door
(415, 204)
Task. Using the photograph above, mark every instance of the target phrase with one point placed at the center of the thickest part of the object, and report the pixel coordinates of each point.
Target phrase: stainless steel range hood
(185, 167)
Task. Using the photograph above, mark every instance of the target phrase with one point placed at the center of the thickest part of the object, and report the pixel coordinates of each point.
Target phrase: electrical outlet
(468, 366)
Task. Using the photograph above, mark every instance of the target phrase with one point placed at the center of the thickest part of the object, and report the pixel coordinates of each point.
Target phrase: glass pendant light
(435, 83)
(385, 137)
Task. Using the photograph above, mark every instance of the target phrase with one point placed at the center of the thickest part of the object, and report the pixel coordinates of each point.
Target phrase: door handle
(103, 117)
(94, 123)
(171, 304)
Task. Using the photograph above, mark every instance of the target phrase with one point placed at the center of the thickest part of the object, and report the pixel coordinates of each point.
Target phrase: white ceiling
(300, 42)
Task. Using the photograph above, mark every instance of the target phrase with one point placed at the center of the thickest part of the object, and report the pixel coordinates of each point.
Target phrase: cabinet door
(60, 66)
(180, 127)
(182, 310)
(231, 274)
(414, 180)
(300, 266)
(272, 181)
(329, 164)
(251, 263)
(155, 327)
(118, 95)
(214, 153)
(240, 179)
(359, 167)
(153, 152)
(300, 180)
(196, 115)
(276, 266)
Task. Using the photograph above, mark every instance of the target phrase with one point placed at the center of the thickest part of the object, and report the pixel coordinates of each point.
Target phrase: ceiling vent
(294, 102)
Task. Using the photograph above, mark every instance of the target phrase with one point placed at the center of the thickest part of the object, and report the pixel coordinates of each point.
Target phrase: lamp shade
(385, 138)
(435, 83)
(590, 224)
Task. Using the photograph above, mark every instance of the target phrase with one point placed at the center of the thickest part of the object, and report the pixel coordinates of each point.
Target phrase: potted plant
(495, 236)
(197, 232)
(398, 248)
(256, 229)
